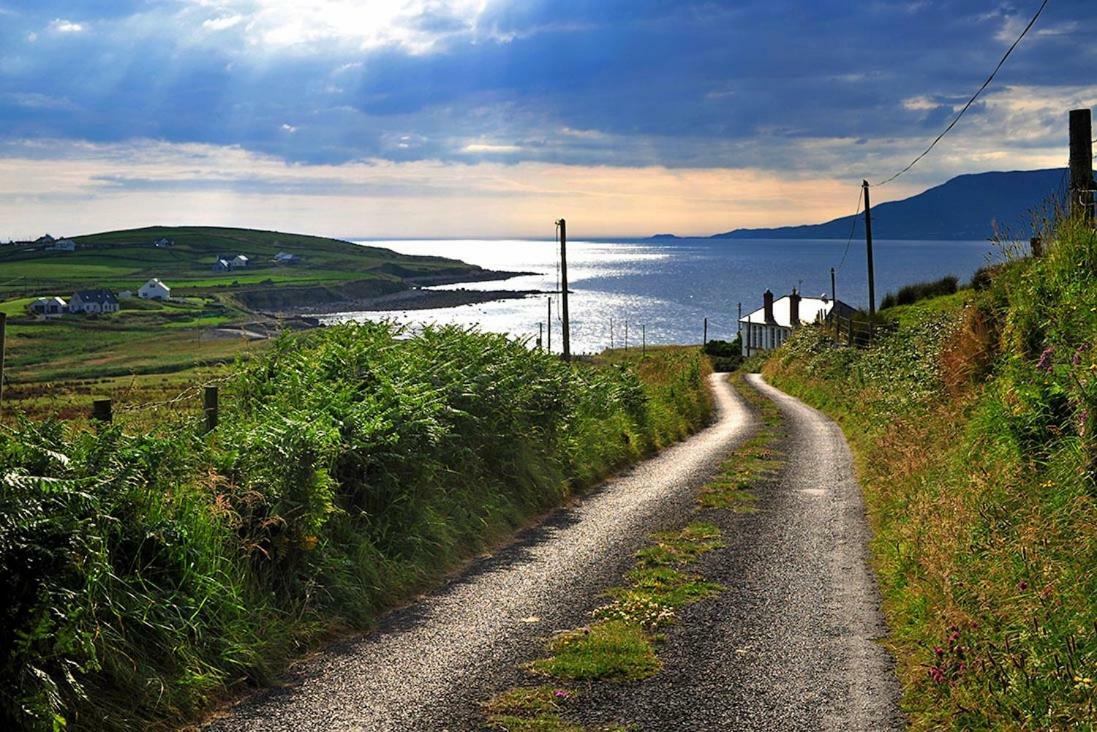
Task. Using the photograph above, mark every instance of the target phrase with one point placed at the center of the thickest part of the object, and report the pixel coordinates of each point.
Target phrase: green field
(52, 363)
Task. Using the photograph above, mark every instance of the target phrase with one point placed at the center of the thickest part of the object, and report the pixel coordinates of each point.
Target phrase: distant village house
(63, 245)
(229, 262)
(771, 325)
(154, 289)
(162, 243)
(50, 307)
(93, 301)
(286, 258)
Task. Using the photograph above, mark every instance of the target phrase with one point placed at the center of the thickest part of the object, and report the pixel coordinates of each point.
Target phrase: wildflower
(562, 694)
(1077, 359)
(1044, 364)
(1022, 585)
(938, 651)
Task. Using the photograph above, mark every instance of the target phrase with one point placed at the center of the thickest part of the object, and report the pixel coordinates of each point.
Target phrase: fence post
(851, 332)
(209, 406)
(102, 411)
(1081, 164)
(3, 345)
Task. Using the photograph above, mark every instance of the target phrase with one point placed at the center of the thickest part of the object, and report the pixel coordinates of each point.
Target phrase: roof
(154, 282)
(48, 299)
(99, 296)
(811, 310)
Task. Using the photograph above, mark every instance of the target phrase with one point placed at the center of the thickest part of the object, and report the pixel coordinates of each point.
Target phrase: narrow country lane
(430, 665)
(792, 644)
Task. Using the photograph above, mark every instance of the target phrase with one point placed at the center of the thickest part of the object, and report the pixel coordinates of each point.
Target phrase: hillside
(968, 207)
(329, 270)
(974, 426)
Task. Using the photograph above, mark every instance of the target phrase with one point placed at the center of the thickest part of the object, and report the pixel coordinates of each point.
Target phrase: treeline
(146, 574)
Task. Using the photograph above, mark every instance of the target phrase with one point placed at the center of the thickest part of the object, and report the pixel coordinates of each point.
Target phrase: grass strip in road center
(621, 644)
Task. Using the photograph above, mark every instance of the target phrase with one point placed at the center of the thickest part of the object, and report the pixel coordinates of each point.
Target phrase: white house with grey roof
(772, 324)
(92, 302)
(154, 289)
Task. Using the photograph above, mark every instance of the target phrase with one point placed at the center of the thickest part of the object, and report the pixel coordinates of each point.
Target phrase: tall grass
(148, 573)
(977, 447)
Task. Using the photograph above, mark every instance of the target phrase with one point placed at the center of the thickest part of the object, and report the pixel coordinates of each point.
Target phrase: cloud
(60, 25)
(223, 22)
(491, 149)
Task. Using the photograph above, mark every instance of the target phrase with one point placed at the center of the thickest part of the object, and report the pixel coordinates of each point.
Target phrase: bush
(725, 355)
(146, 573)
(910, 294)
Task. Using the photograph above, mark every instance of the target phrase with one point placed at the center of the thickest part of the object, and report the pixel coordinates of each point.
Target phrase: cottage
(239, 261)
(50, 307)
(45, 240)
(63, 245)
(221, 265)
(228, 262)
(93, 301)
(162, 243)
(154, 289)
(286, 258)
(770, 326)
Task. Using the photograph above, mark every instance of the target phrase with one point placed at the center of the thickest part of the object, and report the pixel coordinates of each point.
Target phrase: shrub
(910, 294)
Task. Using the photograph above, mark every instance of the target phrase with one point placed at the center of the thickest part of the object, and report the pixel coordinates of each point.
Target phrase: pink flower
(561, 693)
(1044, 364)
(1022, 585)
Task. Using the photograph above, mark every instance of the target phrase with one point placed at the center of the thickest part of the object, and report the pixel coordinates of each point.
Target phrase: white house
(771, 325)
(286, 258)
(63, 245)
(154, 289)
(239, 261)
(227, 262)
(50, 307)
(93, 301)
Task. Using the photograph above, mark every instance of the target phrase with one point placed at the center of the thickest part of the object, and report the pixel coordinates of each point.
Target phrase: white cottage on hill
(771, 325)
(50, 307)
(93, 301)
(154, 289)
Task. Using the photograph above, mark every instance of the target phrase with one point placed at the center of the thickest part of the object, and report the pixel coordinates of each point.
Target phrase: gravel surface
(430, 665)
(792, 643)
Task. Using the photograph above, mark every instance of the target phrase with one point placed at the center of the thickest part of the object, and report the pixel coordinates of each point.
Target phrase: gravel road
(430, 665)
(791, 644)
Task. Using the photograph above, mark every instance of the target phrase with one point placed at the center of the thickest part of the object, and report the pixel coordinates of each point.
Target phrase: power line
(973, 98)
(853, 226)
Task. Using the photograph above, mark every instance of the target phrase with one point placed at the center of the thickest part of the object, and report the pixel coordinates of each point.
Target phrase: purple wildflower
(1022, 585)
(1044, 364)
(561, 693)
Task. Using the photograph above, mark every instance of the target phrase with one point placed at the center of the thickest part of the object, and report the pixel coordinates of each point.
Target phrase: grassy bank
(974, 431)
(150, 572)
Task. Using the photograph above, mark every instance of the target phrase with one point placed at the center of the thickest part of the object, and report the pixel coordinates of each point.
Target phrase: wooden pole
(564, 287)
(550, 324)
(101, 411)
(868, 252)
(210, 407)
(611, 334)
(1081, 164)
(704, 342)
(834, 303)
(644, 340)
(540, 336)
(3, 348)
(626, 335)
(749, 334)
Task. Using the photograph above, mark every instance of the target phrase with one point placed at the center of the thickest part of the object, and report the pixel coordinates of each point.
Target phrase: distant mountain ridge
(967, 207)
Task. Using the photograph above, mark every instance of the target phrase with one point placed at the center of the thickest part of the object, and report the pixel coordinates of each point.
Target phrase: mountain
(968, 207)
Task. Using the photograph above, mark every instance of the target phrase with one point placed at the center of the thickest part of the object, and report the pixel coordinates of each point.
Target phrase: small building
(771, 325)
(93, 301)
(286, 258)
(50, 307)
(162, 243)
(229, 262)
(239, 261)
(221, 265)
(45, 240)
(154, 289)
(63, 245)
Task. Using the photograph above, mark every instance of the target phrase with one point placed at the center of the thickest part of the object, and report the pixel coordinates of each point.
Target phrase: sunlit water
(669, 288)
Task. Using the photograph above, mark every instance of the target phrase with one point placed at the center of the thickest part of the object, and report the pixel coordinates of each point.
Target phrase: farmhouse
(154, 289)
(228, 262)
(771, 325)
(162, 243)
(63, 245)
(93, 301)
(51, 307)
(286, 258)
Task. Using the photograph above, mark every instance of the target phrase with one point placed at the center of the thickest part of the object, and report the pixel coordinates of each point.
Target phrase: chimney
(767, 300)
(794, 309)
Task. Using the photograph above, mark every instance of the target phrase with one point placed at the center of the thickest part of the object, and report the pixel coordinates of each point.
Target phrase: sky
(493, 118)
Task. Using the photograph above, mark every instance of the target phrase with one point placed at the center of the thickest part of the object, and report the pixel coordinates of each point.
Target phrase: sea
(663, 291)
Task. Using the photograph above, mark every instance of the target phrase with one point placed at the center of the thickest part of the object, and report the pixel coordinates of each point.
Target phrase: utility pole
(834, 303)
(868, 249)
(611, 333)
(704, 342)
(643, 340)
(550, 324)
(564, 286)
(739, 321)
(748, 336)
(1081, 164)
(540, 336)
(626, 335)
